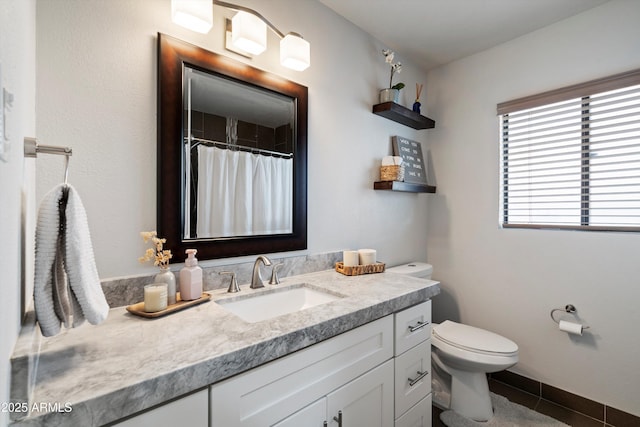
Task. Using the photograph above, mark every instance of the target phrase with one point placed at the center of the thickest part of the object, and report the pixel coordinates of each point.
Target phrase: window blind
(571, 157)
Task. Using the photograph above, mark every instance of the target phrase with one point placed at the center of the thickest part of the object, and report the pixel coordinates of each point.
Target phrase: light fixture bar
(249, 32)
(251, 11)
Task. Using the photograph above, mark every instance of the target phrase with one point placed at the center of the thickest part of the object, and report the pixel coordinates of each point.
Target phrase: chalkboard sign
(415, 169)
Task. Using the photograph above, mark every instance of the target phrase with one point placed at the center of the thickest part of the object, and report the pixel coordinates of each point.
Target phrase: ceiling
(430, 33)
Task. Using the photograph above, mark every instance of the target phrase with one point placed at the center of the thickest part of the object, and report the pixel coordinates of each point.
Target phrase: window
(571, 157)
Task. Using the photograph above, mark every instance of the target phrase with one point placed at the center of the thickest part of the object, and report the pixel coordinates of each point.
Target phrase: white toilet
(461, 357)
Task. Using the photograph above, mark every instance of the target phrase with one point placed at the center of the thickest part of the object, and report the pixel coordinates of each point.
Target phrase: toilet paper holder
(569, 308)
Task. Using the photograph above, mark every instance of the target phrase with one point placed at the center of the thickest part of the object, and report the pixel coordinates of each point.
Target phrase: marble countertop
(129, 363)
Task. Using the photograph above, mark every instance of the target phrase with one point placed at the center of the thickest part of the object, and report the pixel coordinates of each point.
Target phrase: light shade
(295, 52)
(249, 33)
(196, 15)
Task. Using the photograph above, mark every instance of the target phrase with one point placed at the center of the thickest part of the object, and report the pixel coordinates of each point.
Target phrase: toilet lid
(473, 339)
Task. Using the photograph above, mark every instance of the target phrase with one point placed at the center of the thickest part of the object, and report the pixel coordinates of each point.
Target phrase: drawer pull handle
(338, 419)
(421, 375)
(417, 326)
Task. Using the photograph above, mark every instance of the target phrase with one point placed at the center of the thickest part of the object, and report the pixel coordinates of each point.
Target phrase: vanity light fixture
(197, 15)
(295, 52)
(248, 32)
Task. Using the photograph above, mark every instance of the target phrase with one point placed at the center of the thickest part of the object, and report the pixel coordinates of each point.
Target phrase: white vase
(389, 95)
(167, 276)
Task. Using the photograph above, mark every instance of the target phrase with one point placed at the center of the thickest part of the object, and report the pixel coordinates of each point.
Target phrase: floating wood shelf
(403, 186)
(400, 114)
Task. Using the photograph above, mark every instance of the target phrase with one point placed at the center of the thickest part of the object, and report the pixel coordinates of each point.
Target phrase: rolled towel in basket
(392, 169)
(391, 161)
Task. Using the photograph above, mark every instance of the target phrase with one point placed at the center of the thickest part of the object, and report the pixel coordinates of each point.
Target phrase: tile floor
(536, 403)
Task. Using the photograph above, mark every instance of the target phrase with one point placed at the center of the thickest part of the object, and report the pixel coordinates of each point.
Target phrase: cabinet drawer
(271, 392)
(418, 416)
(412, 377)
(412, 326)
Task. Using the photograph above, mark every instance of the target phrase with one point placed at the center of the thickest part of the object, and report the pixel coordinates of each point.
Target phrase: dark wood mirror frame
(173, 54)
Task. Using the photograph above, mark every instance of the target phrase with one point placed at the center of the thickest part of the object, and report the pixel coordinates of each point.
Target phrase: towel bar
(32, 148)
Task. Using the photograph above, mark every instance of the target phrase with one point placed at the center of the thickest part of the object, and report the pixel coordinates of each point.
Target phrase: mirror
(238, 158)
(232, 155)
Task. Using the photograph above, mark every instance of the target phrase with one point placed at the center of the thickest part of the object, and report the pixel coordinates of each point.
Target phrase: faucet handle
(233, 286)
(275, 280)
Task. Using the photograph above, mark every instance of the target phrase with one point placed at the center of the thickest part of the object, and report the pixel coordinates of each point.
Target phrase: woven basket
(357, 270)
(392, 173)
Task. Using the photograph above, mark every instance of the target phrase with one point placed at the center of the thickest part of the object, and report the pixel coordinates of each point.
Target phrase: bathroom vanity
(350, 379)
(361, 359)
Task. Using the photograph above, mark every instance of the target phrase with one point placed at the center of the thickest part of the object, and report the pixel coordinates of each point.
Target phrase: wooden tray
(138, 309)
(357, 270)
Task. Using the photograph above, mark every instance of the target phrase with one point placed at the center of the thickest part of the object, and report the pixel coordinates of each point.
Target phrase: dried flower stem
(159, 255)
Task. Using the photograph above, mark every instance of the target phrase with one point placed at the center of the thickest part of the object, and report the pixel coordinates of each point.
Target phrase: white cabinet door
(418, 416)
(268, 394)
(365, 401)
(192, 410)
(313, 415)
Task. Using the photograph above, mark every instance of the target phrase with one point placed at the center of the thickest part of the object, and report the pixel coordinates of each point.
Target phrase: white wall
(509, 280)
(96, 63)
(17, 184)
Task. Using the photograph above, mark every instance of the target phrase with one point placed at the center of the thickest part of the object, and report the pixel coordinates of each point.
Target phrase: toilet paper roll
(350, 258)
(367, 256)
(570, 327)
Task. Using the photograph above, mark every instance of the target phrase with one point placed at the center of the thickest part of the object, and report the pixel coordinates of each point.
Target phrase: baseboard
(599, 411)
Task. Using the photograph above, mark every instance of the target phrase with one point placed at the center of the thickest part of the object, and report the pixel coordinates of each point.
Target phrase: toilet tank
(421, 270)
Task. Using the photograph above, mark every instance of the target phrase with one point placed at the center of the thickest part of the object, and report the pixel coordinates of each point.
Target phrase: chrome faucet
(256, 278)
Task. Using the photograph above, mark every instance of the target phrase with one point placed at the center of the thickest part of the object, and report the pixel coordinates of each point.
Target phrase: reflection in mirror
(240, 161)
(232, 155)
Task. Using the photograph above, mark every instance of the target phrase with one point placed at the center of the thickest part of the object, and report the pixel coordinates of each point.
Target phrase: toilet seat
(475, 340)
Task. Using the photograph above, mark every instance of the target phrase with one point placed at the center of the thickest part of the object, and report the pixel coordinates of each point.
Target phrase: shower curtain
(242, 194)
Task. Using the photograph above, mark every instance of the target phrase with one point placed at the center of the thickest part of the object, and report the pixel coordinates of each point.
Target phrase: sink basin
(270, 304)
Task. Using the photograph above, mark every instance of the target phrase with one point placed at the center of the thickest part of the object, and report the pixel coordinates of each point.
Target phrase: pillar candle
(350, 258)
(367, 256)
(155, 297)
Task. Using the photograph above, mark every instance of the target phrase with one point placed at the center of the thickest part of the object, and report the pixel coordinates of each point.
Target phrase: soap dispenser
(191, 277)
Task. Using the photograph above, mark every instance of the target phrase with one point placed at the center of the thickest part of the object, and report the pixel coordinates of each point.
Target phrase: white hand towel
(55, 298)
(80, 263)
(62, 295)
(46, 272)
